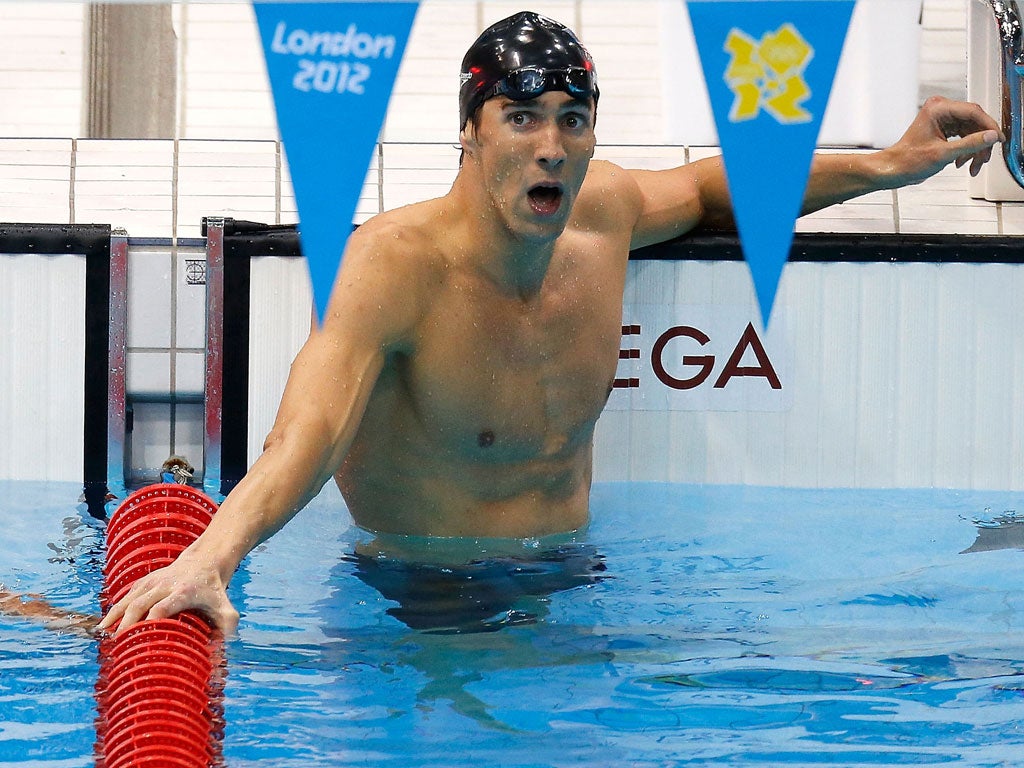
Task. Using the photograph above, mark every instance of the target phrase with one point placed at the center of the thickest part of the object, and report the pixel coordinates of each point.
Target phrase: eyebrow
(574, 103)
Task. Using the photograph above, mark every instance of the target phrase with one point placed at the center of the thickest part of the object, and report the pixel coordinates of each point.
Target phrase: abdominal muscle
(418, 468)
(440, 496)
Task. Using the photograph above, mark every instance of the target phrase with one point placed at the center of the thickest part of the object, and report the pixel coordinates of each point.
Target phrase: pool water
(688, 625)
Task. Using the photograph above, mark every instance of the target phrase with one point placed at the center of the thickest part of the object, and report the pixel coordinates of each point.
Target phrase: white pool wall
(227, 162)
(895, 375)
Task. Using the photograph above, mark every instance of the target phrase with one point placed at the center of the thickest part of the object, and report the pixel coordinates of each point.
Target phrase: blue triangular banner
(769, 67)
(332, 67)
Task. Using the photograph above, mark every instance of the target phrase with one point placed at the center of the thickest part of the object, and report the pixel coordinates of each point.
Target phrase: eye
(575, 121)
(519, 118)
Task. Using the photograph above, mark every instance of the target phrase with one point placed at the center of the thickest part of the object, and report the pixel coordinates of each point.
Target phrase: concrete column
(132, 72)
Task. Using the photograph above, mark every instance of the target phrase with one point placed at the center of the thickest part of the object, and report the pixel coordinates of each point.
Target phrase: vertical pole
(116, 356)
(97, 363)
(214, 389)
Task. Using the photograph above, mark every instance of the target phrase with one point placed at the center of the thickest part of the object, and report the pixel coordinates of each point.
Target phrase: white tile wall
(230, 178)
(221, 74)
(224, 92)
(165, 188)
(125, 183)
(41, 58)
(35, 181)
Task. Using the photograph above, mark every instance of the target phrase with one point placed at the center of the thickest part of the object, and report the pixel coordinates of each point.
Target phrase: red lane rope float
(160, 689)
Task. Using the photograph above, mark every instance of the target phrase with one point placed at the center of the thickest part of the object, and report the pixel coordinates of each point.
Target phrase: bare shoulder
(404, 239)
(604, 177)
(390, 262)
(611, 193)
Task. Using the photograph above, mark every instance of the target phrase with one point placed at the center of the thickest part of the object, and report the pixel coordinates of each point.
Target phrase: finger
(114, 614)
(227, 620)
(974, 144)
(962, 118)
(134, 613)
(977, 163)
(169, 606)
(134, 606)
(221, 613)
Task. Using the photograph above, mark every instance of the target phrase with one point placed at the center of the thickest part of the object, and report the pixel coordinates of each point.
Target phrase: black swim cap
(522, 57)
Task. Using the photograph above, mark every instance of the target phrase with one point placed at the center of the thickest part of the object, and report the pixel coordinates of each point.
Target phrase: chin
(543, 232)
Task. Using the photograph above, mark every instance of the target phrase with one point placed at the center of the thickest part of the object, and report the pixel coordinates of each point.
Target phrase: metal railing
(1011, 41)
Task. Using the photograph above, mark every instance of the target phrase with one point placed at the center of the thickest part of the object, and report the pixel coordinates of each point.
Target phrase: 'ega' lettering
(703, 365)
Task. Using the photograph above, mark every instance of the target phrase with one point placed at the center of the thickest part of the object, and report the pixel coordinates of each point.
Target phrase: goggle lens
(531, 82)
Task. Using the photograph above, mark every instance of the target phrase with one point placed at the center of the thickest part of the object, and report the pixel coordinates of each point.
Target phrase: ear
(467, 137)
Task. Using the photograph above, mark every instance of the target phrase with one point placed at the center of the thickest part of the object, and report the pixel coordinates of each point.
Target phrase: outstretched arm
(943, 132)
(696, 195)
(328, 388)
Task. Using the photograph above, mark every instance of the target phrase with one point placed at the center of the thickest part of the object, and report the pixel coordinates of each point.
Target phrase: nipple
(485, 439)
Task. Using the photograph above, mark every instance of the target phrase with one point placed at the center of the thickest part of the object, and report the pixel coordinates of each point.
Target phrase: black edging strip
(255, 239)
(857, 248)
(92, 241)
(235, 376)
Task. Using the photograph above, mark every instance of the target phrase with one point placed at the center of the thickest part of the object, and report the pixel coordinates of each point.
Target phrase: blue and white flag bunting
(769, 67)
(332, 67)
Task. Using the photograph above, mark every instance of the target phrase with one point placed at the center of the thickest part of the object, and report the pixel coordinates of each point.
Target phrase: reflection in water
(454, 609)
(481, 595)
(1003, 532)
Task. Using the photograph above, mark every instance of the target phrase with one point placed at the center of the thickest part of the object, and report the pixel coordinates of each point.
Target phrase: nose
(550, 152)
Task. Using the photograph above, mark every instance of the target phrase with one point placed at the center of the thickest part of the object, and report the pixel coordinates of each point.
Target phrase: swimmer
(471, 340)
(176, 469)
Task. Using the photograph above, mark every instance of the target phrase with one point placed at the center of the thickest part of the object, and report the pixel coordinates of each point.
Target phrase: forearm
(291, 471)
(836, 178)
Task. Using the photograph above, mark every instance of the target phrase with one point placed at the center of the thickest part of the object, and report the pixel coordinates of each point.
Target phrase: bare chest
(516, 380)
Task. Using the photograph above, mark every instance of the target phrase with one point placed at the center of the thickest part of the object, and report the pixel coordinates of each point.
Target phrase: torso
(483, 424)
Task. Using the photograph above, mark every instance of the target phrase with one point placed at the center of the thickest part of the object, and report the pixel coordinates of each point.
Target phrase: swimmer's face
(533, 156)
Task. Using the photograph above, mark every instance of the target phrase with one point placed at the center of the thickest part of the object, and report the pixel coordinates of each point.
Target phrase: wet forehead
(553, 100)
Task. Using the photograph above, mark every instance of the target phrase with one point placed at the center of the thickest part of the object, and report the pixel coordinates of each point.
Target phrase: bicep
(676, 200)
(371, 312)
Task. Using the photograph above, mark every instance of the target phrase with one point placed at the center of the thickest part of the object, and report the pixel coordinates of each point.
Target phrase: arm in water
(943, 132)
(328, 387)
(36, 608)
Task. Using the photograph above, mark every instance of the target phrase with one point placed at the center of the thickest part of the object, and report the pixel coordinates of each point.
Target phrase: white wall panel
(281, 303)
(42, 366)
(905, 375)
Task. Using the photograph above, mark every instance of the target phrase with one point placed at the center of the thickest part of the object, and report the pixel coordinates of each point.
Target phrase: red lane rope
(160, 689)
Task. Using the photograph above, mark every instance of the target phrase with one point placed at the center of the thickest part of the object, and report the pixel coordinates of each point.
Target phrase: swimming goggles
(530, 82)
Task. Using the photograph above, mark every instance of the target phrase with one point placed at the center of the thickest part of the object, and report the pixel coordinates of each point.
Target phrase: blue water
(688, 626)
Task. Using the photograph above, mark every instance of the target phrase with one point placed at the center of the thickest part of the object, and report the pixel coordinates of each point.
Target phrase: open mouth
(545, 199)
